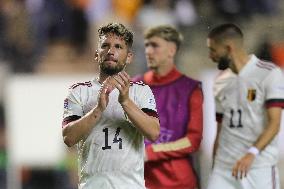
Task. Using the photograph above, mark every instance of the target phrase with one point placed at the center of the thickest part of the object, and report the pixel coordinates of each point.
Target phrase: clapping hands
(121, 81)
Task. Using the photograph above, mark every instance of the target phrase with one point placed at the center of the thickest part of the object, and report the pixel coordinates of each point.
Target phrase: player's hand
(103, 97)
(242, 166)
(122, 83)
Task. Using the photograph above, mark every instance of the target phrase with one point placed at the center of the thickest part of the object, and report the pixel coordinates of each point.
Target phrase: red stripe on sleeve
(274, 103)
(150, 112)
(69, 119)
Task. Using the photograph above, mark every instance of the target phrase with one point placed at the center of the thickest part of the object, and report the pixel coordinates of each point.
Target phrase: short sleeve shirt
(243, 99)
(111, 157)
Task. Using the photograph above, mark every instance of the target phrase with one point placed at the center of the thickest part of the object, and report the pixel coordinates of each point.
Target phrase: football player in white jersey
(249, 97)
(107, 118)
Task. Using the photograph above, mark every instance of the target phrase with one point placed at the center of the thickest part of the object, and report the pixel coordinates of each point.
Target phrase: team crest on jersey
(251, 95)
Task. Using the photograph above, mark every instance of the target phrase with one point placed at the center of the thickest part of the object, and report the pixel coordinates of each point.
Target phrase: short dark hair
(119, 30)
(166, 32)
(226, 31)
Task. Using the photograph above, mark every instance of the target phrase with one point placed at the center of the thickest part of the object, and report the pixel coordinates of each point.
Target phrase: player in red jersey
(179, 101)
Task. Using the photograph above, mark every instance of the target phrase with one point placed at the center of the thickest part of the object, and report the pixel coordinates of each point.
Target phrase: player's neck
(164, 70)
(240, 60)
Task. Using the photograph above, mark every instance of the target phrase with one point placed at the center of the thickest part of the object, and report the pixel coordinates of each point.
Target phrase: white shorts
(257, 178)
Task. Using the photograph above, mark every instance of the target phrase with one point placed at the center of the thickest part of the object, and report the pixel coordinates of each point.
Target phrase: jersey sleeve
(72, 105)
(147, 101)
(218, 107)
(219, 84)
(274, 89)
(218, 111)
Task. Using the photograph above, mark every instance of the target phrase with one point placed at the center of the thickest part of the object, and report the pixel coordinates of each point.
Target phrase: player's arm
(75, 130)
(149, 126)
(271, 130)
(273, 85)
(274, 88)
(190, 142)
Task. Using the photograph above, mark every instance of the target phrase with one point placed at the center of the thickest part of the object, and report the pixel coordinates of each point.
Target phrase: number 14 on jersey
(115, 139)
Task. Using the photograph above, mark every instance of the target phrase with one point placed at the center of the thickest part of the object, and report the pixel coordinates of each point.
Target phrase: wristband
(253, 150)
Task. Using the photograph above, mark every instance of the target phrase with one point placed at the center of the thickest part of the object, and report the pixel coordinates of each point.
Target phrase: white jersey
(242, 100)
(112, 156)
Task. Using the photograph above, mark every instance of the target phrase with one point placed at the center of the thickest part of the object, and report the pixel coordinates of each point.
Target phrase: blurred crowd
(28, 28)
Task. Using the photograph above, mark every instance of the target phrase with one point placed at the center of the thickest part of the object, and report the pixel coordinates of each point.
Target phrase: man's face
(112, 54)
(218, 53)
(157, 51)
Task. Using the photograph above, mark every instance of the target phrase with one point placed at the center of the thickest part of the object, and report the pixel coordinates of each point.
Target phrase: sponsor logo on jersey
(251, 94)
(152, 101)
(66, 103)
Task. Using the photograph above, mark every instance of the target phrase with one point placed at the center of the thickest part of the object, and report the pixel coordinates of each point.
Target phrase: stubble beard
(111, 70)
(224, 63)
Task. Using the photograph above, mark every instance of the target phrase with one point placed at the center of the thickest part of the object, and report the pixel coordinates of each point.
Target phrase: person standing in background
(249, 97)
(179, 103)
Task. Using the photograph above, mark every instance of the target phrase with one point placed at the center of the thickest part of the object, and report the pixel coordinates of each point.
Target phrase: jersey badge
(251, 95)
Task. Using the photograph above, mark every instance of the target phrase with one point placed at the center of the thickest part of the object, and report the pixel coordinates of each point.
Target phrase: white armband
(253, 150)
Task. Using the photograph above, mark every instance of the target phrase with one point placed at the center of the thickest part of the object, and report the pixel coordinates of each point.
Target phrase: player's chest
(113, 111)
(242, 92)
